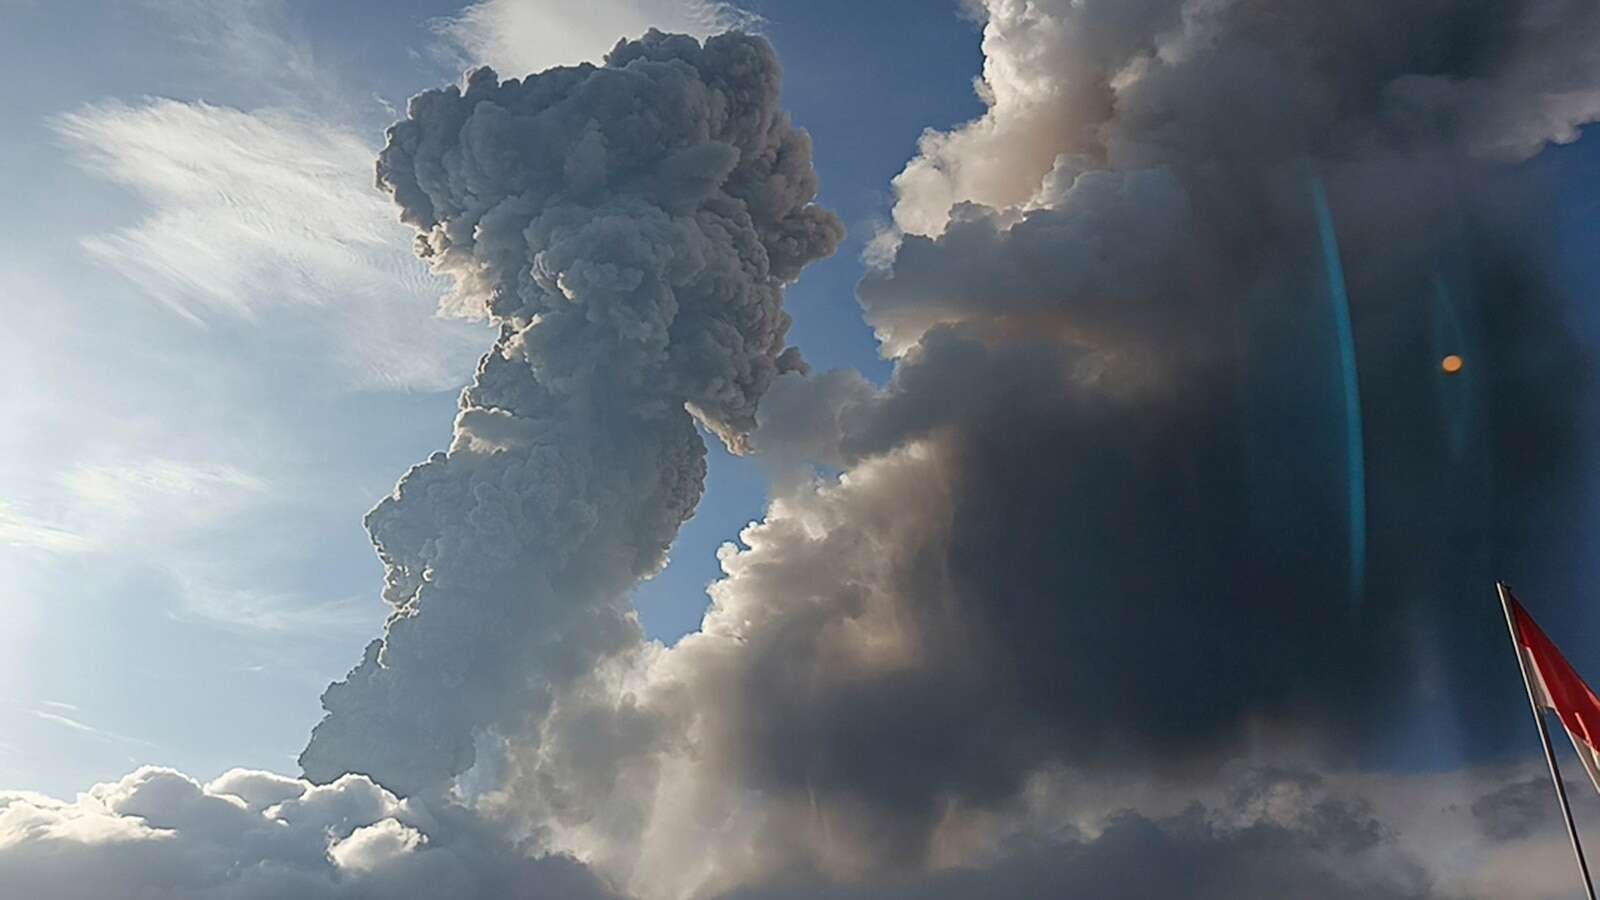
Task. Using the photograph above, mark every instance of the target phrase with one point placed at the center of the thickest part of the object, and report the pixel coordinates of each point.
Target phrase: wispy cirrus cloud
(239, 199)
(251, 40)
(275, 613)
(22, 531)
(85, 728)
(143, 501)
(252, 212)
(129, 490)
(155, 505)
(163, 503)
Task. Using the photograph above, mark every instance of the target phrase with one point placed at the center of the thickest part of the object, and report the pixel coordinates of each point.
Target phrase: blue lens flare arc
(1355, 447)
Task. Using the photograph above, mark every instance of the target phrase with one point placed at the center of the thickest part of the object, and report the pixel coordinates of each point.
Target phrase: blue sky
(203, 405)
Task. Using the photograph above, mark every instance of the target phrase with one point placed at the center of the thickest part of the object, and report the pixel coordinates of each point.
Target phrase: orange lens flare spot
(1451, 364)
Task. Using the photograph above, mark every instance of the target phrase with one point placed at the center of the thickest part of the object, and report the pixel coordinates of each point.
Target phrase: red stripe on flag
(1573, 700)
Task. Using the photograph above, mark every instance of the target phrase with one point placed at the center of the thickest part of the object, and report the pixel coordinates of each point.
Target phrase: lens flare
(1355, 449)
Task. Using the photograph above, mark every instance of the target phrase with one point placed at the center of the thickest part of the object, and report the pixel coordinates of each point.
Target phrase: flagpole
(1544, 737)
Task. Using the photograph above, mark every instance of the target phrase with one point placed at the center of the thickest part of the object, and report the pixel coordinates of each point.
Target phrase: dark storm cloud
(1178, 475)
(1329, 850)
(1492, 80)
(1132, 85)
(1126, 553)
(1111, 247)
(1103, 514)
(1524, 808)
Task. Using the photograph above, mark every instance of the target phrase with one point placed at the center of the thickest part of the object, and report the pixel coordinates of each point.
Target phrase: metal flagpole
(1544, 737)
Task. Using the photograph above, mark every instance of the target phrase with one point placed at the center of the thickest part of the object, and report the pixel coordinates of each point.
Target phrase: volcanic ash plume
(629, 229)
(1166, 478)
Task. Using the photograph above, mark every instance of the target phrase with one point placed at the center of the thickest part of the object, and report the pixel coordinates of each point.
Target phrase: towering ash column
(629, 228)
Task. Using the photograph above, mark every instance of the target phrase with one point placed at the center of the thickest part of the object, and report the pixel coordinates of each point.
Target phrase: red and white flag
(1555, 685)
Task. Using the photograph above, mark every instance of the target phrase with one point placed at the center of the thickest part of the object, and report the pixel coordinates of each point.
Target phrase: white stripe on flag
(1541, 696)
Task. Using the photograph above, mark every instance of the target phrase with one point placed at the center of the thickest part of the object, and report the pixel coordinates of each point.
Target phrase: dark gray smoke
(1107, 516)
(1278, 834)
(629, 229)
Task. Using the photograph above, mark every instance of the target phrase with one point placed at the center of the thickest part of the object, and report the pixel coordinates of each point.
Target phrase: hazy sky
(205, 399)
(1108, 283)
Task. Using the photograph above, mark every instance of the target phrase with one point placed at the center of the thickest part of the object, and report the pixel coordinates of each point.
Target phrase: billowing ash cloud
(629, 228)
(1136, 501)
(1169, 81)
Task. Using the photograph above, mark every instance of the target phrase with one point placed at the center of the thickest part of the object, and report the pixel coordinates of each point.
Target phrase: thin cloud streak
(87, 729)
(25, 532)
(257, 211)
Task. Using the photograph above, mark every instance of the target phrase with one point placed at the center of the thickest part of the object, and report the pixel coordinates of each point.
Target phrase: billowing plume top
(646, 211)
(630, 229)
